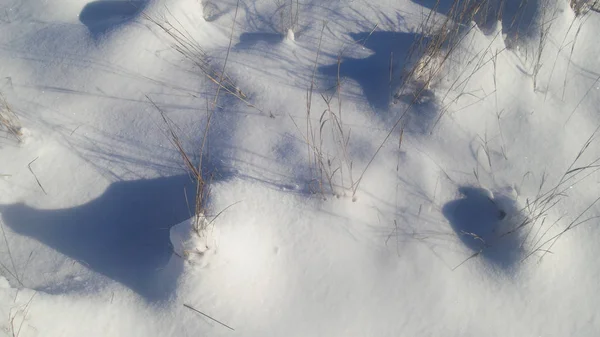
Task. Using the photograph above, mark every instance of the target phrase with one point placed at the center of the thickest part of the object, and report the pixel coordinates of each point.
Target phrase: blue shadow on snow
(102, 16)
(480, 222)
(373, 73)
(517, 17)
(123, 234)
(251, 39)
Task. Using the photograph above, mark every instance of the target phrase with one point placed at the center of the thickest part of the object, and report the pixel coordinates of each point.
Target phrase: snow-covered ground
(376, 168)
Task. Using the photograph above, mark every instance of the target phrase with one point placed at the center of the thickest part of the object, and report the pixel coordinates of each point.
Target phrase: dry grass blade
(35, 176)
(207, 316)
(222, 75)
(16, 332)
(174, 139)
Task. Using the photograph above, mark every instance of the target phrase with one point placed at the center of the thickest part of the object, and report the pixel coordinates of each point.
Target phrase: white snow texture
(369, 168)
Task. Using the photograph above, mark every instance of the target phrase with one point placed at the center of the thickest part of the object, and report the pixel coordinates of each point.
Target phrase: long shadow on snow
(373, 73)
(480, 222)
(123, 234)
(102, 16)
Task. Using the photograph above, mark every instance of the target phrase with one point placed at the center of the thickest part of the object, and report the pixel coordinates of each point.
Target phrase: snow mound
(290, 35)
(191, 243)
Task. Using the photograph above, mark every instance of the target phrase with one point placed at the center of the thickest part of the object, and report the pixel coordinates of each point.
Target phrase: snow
(451, 192)
(192, 244)
(290, 35)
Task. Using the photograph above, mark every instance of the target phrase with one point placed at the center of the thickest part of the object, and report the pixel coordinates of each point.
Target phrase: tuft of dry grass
(327, 141)
(288, 12)
(582, 7)
(542, 241)
(195, 170)
(189, 48)
(185, 44)
(439, 38)
(9, 122)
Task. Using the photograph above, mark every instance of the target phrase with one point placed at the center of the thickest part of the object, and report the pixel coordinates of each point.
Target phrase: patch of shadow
(123, 234)
(373, 73)
(286, 149)
(248, 40)
(482, 222)
(517, 17)
(102, 16)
